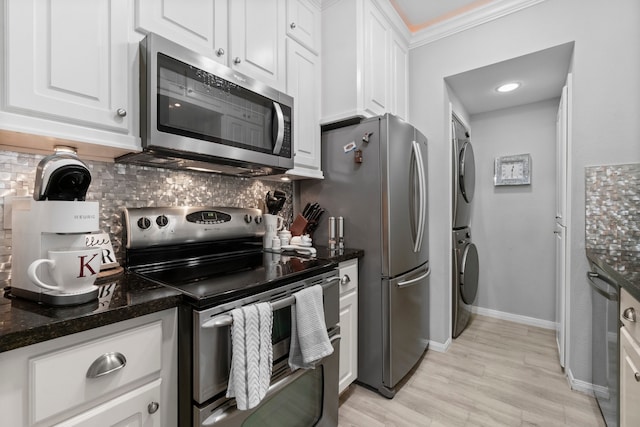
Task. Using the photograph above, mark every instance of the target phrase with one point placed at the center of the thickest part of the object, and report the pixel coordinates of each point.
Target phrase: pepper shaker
(332, 233)
(340, 227)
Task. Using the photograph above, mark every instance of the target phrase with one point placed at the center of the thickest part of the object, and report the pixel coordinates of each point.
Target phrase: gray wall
(512, 226)
(117, 186)
(605, 129)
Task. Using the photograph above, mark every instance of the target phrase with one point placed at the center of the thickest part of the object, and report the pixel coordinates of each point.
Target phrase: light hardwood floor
(496, 373)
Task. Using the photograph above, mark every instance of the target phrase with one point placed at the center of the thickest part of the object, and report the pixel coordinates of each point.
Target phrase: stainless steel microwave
(198, 114)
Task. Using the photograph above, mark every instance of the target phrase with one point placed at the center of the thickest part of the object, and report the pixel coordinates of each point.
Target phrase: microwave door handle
(279, 135)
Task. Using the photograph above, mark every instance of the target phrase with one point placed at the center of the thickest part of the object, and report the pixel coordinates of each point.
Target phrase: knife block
(299, 226)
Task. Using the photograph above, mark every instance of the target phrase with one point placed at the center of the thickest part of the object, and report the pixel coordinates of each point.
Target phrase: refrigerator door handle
(422, 192)
(414, 280)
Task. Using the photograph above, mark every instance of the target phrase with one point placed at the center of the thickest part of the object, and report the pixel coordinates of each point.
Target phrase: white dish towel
(251, 354)
(309, 338)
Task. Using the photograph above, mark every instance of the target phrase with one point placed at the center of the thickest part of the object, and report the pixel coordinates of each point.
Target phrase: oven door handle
(229, 409)
(227, 320)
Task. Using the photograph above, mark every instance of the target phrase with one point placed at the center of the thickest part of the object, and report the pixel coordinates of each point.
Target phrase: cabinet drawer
(62, 380)
(631, 306)
(348, 271)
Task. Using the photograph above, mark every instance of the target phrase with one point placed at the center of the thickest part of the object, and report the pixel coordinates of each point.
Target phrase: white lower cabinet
(124, 374)
(629, 361)
(348, 323)
(137, 408)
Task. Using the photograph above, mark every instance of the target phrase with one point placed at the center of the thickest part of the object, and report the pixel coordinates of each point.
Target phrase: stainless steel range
(214, 257)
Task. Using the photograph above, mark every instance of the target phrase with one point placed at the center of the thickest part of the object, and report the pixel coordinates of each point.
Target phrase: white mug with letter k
(71, 269)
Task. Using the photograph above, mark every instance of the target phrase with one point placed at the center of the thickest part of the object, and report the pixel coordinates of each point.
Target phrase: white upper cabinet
(257, 40)
(199, 25)
(246, 35)
(399, 88)
(377, 49)
(67, 70)
(303, 77)
(364, 60)
(303, 24)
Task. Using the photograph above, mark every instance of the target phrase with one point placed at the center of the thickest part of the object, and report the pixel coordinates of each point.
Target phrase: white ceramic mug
(272, 223)
(71, 269)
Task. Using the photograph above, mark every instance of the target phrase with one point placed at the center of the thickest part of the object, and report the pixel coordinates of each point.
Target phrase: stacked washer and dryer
(465, 254)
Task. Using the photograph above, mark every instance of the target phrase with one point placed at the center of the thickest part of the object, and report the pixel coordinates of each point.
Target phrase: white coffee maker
(57, 216)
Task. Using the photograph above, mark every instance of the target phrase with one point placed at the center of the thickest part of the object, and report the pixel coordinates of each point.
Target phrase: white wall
(512, 226)
(605, 124)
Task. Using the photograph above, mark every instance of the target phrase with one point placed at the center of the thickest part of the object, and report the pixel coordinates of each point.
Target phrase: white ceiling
(542, 74)
(419, 14)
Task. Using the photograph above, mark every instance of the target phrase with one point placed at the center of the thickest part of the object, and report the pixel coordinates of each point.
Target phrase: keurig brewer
(56, 217)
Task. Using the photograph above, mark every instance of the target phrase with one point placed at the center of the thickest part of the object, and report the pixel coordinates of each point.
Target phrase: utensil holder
(299, 226)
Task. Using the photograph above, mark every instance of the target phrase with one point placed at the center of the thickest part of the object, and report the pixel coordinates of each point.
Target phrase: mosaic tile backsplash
(117, 186)
(612, 205)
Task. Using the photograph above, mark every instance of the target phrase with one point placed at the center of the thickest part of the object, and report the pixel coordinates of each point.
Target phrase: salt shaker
(332, 232)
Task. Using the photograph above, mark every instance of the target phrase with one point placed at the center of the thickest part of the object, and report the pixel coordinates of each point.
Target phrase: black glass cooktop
(210, 280)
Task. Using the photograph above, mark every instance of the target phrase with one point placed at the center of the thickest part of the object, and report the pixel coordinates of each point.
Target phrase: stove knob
(144, 223)
(162, 221)
(258, 220)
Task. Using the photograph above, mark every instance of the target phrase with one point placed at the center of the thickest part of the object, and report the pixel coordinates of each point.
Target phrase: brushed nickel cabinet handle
(153, 407)
(121, 112)
(106, 364)
(345, 279)
(629, 314)
(220, 52)
(293, 25)
(237, 60)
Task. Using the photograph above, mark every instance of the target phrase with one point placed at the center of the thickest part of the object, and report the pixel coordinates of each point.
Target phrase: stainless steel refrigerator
(376, 178)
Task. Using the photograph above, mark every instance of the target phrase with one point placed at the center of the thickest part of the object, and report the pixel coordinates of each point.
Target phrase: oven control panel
(145, 227)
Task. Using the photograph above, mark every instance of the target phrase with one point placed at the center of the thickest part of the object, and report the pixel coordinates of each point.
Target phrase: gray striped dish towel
(309, 338)
(251, 354)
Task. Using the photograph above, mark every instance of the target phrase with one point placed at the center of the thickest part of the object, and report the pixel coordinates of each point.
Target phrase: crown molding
(479, 16)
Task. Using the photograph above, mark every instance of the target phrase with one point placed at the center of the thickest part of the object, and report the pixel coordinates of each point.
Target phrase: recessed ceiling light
(508, 87)
(285, 178)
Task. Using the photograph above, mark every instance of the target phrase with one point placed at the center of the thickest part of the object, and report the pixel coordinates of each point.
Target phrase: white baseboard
(579, 385)
(440, 347)
(530, 321)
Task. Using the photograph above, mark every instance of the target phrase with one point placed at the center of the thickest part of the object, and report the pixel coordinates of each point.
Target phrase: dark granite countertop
(121, 297)
(337, 255)
(622, 266)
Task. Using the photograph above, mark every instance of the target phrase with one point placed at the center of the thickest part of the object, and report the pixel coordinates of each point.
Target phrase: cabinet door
(303, 83)
(629, 380)
(348, 372)
(376, 60)
(399, 76)
(138, 408)
(200, 25)
(303, 23)
(68, 60)
(257, 40)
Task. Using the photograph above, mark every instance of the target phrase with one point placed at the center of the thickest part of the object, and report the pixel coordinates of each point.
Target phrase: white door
(68, 60)
(561, 262)
(303, 77)
(256, 40)
(200, 25)
(138, 408)
(376, 60)
(563, 138)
